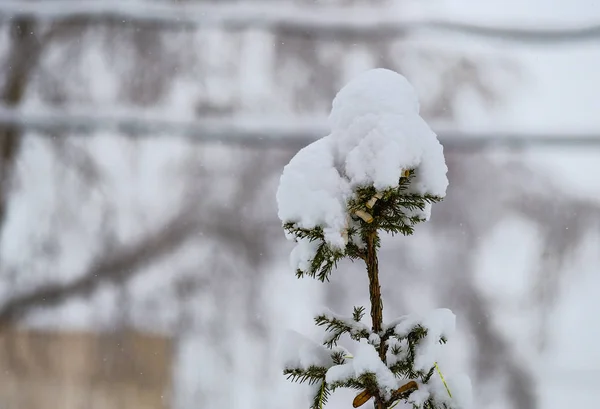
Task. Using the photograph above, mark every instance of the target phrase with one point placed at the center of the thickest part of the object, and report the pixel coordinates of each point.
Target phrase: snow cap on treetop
(376, 136)
(378, 90)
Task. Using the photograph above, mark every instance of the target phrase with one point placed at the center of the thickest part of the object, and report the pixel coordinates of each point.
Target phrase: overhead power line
(322, 22)
(277, 132)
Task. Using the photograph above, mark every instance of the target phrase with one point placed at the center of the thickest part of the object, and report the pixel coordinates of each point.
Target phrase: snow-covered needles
(380, 153)
(413, 348)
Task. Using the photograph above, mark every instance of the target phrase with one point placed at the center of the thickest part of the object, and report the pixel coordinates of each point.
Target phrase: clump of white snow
(356, 327)
(303, 254)
(404, 325)
(439, 323)
(312, 193)
(462, 391)
(374, 340)
(459, 386)
(376, 134)
(378, 91)
(391, 358)
(420, 396)
(366, 360)
(300, 352)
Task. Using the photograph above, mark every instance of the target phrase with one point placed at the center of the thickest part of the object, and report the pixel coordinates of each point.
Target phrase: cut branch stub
(364, 396)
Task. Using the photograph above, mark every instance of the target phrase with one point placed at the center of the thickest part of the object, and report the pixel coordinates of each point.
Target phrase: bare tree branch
(496, 356)
(116, 266)
(564, 223)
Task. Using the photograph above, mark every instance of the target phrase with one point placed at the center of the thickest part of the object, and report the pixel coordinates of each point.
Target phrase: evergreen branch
(405, 367)
(367, 382)
(354, 252)
(338, 326)
(321, 397)
(396, 349)
(427, 377)
(432, 404)
(312, 374)
(398, 356)
(324, 262)
(358, 314)
(338, 357)
(392, 210)
(326, 257)
(413, 338)
(348, 383)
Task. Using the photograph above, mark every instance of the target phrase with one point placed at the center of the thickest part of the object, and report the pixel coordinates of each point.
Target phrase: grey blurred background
(142, 263)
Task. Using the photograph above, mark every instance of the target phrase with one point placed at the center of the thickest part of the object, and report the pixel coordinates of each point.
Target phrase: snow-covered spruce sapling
(379, 171)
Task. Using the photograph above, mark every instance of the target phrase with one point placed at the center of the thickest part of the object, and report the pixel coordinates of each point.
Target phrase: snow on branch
(337, 325)
(322, 21)
(423, 337)
(365, 363)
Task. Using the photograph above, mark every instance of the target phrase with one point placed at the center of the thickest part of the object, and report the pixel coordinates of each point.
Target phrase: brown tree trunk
(376, 301)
